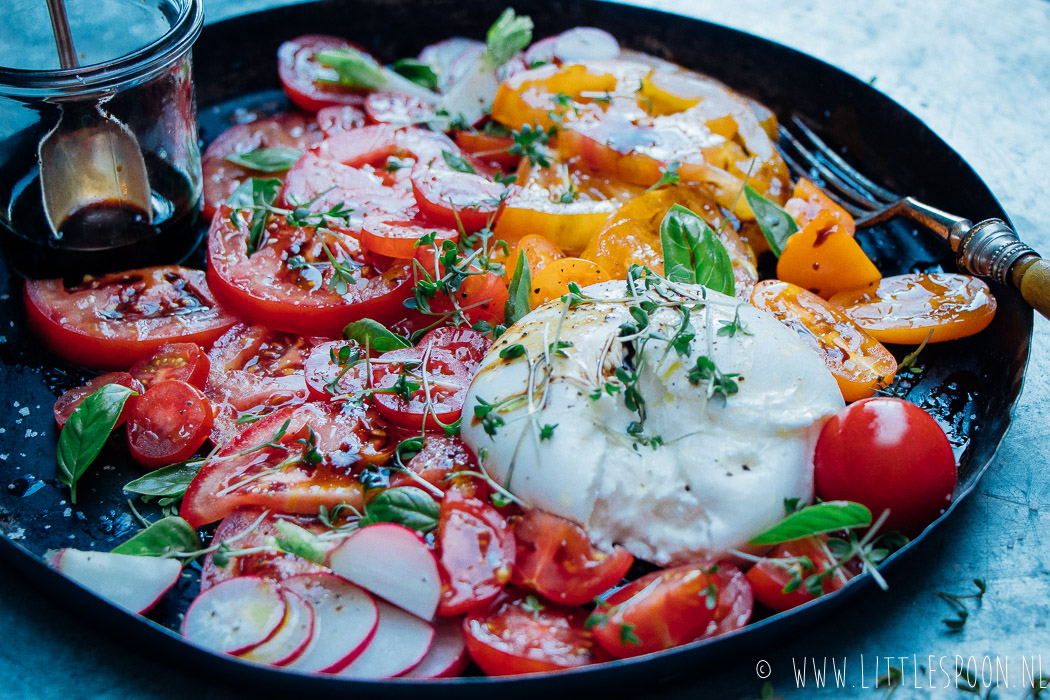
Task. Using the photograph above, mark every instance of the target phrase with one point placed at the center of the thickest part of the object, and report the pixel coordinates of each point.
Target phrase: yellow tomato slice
(632, 235)
(825, 259)
(808, 200)
(553, 280)
(859, 363)
(539, 253)
(907, 308)
(549, 94)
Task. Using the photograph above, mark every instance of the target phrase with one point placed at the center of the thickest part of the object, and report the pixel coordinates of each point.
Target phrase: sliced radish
(235, 616)
(345, 620)
(291, 638)
(401, 641)
(584, 44)
(394, 563)
(448, 652)
(132, 582)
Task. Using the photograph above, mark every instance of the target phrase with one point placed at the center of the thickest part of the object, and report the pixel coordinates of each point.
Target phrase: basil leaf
(352, 68)
(405, 505)
(416, 71)
(776, 224)
(814, 520)
(267, 160)
(374, 335)
(507, 36)
(264, 194)
(693, 253)
(518, 302)
(241, 198)
(166, 482)
(457, 163)
(86, 432)
(300, 542)
(168, 535)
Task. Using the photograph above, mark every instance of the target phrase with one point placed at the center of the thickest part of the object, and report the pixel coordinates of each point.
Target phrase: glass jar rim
(110, 75)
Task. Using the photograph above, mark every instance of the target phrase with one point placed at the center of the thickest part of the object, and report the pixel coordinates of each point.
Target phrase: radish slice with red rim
(394, 563)
(132, 582)
(401, 641)
(345, 619)
(235, 616)
(291, 638)
(447, 656)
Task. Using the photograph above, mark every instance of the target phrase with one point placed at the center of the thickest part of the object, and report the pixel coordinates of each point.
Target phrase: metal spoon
(91, 159)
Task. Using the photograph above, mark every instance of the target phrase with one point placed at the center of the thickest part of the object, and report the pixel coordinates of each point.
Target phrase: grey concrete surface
(978, 72)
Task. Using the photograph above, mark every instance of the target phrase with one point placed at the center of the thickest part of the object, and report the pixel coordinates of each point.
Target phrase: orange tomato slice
(859, 363)
(553, 280)
(808, 200)
(907, 308)
(538, 251)
(632, 235)
(548, 95)
(825, 259)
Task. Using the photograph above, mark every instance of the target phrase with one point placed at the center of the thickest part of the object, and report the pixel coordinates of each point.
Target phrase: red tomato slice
(446, 377)
(168, 423)
(369, 145)
(457, 199)
(298, 70)
(440, 457)
(184, 362)
(68, 401)
(318, 447)
(326, 183)
(398, 239)
(489, 148)
(252, 528)
(736, 601)
(331, 372)
(476, 552)
(254, 372)
(466, 344)
(770, 576)
(658, 611)
(513, 637)
(221, 177)
(337, 119)
(112, 321)
(397, 108)
(265, 289)
(555, 558)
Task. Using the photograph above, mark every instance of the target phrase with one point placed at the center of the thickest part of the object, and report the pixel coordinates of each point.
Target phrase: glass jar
(147, 92)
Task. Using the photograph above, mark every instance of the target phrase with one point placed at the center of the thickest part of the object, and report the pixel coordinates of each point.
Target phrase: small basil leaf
(457, 163)
(776, 224)
(351, 68)
(518, 302)
(267, 160)
(168, 535)
(416, 71)
(300, 542)
(86, 432)
(509, 35)
(405, 505)
(814, 520)
(374, 335)
(166, 482)
(692, 252)
(241, 198)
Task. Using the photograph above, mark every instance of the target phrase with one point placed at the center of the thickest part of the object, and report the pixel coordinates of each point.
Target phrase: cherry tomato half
(298, 70)
(466, 344)
(907, 308)
(68, 401)
(788, 565)
(476, 552)
(168, 423)
(112, 321)
(555, 558)
(516, 635)
(184, 362)
(457, 199)
(402, 378)
(888, 454)
(398, 239)
(859, 363)
(332, 370)
(736, 601)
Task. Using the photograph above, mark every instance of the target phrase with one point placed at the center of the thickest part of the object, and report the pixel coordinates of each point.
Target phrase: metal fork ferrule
(990, 248)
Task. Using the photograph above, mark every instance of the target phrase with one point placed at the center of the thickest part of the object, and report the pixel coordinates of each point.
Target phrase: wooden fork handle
(1032, 276)
(992, 249)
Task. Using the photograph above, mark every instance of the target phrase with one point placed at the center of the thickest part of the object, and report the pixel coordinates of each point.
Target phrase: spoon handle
(67, 54)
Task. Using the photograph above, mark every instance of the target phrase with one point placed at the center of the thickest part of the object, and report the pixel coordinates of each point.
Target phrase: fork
(989, 248)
